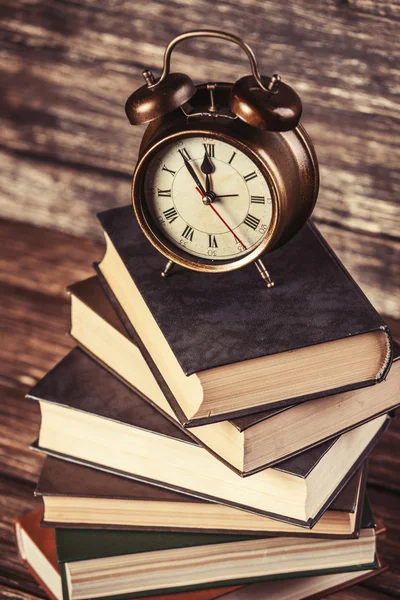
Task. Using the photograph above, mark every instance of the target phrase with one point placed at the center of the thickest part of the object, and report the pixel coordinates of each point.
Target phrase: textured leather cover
(307, 524)
(62, 478)
(79, 382)
(242, 418)
(96, 296)
(86, 544)
(226, 318)
(100, 298)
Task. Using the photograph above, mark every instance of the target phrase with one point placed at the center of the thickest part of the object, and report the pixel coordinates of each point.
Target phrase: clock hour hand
(194, 176)
(207, 168)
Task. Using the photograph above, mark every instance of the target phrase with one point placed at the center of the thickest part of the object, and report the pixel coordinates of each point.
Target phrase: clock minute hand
(194, 176)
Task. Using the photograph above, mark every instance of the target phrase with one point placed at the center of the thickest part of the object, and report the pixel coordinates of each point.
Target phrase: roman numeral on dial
(250, 176)
(231, 158)
(212, 242)
(188, 233)
(210, 149)
(251, 221)
(170, 214)
(164, 193)
(184, 153)
(168, 170)
(257, 200)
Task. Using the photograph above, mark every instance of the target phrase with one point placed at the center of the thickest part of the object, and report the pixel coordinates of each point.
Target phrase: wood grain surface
(67, 67)
(36, 266)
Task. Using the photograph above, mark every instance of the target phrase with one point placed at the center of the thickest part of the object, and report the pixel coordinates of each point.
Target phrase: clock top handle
(228, 37)
(262, 102)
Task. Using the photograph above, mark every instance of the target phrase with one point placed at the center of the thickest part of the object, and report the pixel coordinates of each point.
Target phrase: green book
(127, 564)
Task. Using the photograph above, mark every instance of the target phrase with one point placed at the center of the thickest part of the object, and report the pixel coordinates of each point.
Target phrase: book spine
(64, 581)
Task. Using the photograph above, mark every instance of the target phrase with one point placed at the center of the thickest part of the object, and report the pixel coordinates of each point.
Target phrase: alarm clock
(226, 173)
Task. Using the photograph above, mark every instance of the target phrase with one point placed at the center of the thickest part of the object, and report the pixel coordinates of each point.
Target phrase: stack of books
(208, 437)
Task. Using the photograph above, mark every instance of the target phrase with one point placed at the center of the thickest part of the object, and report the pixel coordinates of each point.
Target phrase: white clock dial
(239, 214)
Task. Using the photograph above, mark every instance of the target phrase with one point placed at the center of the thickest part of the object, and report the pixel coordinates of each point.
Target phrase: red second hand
(222, 219)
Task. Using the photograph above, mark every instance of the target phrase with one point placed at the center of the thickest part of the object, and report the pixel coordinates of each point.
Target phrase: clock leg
(261, 268)
(167, 269)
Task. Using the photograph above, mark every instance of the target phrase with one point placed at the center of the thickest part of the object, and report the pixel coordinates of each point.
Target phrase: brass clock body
(285, 159)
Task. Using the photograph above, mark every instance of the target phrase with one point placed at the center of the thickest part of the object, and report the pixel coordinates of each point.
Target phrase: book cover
(64, 479)
(98, 330)
(231, 318)
(93, 547)
(79, 383)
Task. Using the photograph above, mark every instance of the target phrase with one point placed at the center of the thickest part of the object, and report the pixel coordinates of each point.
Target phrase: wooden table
(36, 266)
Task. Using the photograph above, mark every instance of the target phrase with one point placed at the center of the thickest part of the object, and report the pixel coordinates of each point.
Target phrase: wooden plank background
(67, 67)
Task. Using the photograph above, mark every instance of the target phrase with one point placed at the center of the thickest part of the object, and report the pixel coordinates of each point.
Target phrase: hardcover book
(229, 346)
(79, 497)
(37, 547)
(89, 416)
(249, 443)
(128, 564)
(38, 551)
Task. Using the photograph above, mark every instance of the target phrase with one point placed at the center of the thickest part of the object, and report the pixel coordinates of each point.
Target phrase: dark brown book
(90, 416)
(227, 345)
(75, 496)
(37, 548)
(248, 443)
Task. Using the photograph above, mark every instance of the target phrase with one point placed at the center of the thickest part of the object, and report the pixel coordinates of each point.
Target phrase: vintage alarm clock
(226, 173)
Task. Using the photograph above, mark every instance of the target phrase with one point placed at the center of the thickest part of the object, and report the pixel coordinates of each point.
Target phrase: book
(247, 444)
(90, 416)
(37, 548)
(132, 563)
(79, 497)
(38, 551)
(229, 346)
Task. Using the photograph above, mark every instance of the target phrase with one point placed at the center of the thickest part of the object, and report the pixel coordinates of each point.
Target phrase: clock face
(208, 198)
